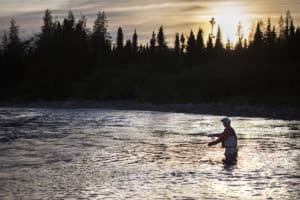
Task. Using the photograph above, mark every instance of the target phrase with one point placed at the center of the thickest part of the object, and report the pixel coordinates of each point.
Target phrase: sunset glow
(146, 16)
(228, 17)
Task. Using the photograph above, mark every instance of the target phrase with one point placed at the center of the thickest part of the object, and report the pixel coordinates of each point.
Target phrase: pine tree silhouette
(67, 60)
(200, 41)
(177, 45)
(100, 39)
(161, 40)
(219, 44)
(258, 38)
(182, 42)
(281, 30)
(269, 35)
(47, 28)
(191, 47)
(153, 43)
(239, 44)
(135, 43)
(209, 45)
(120, 41)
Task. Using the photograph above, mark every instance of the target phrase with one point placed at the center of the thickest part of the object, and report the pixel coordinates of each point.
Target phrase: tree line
(69, 60)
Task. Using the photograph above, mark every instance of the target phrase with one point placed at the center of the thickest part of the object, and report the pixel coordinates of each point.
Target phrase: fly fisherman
(229, 142)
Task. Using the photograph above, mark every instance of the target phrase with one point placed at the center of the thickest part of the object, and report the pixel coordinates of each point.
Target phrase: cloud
(145, 16)
(193, 8)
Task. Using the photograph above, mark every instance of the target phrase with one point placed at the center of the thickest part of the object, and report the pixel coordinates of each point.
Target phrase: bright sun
(228, 16)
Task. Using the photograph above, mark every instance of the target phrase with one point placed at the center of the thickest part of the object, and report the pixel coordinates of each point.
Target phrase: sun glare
(228, 16)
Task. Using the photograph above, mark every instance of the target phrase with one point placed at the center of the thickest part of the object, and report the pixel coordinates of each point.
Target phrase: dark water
(111, 154)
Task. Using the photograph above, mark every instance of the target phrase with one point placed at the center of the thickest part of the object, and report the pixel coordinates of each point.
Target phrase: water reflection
(110, 154)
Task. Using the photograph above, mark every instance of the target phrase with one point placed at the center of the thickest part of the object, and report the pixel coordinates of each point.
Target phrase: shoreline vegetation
(223, 109)
(68, 60)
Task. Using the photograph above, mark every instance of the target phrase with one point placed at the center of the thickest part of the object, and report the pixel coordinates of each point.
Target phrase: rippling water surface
(111, 154)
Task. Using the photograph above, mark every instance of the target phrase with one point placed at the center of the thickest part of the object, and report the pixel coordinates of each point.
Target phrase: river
(127, 154)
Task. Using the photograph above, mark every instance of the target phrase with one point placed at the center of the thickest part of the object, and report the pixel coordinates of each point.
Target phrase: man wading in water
(229, 142)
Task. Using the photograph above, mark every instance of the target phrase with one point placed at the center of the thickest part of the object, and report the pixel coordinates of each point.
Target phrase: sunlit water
(111, 154)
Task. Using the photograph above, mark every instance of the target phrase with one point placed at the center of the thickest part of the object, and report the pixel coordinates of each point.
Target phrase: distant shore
(225, 109)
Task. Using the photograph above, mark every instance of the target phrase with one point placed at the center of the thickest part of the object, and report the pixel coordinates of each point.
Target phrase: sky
(148, 15)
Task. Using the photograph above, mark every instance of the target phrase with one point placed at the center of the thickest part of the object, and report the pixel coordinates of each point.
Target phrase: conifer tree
(14, 53)
(81, 26)
(274, 35)
(239, 33)
(177, 45)
(135, 42)
(161, 40)
(288, 19)
(81, 32)
(48, 23)
(182, 41)
(200, 41)
(128, 50)
(209, 45)
(191, 44)
(269, 35)
(100, 38)
(80, 45)
(57, 27)
(128, 45)
(4, 42)
(69, 23)
(258, 38)
(153, 43)
(100, 25)
(219, 44)
(281, 30)
(120, 40)
(292, 30)
(14, 40)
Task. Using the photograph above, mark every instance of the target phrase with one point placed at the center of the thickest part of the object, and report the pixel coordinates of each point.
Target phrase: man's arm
(219, 140)
(215, 135)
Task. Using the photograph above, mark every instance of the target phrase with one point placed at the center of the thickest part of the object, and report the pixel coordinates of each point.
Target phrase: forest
(67, 60)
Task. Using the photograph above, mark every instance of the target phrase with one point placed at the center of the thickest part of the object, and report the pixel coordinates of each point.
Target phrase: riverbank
(226, 109)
